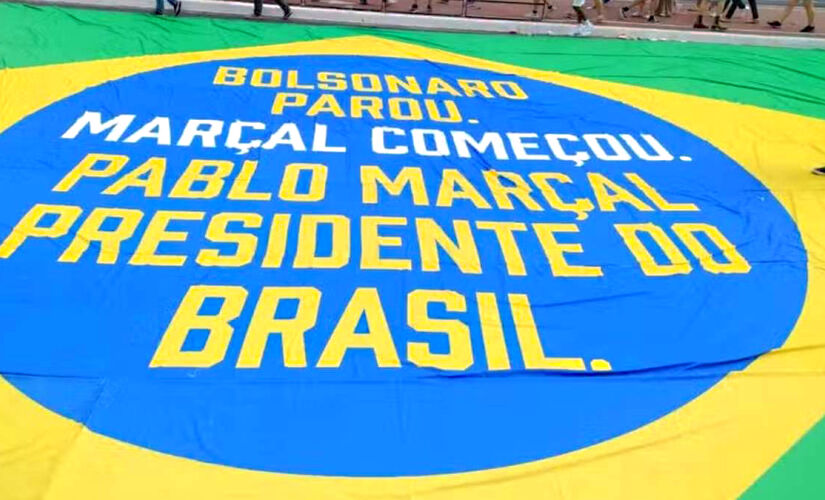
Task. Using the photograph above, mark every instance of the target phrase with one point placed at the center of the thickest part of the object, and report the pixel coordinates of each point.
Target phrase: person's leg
(788, 9)
(585, 27)
(284, 5)
(159, 7)
(580, 15)
(598, 5)
(176, 6)
(624, 11)
(809, 11)
(715, 12)
(651, 13)
(702, 9)
(730, 8)
(754, 10)
(259, 8)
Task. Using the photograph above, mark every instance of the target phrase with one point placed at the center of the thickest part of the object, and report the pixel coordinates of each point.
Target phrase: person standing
(651, 17)
(259, 7)
(809, 11)
(584, 27)
(709, 8)
(732, 5)
(176, 5)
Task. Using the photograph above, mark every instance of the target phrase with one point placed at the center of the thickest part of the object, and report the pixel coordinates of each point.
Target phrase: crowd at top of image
(715, 12)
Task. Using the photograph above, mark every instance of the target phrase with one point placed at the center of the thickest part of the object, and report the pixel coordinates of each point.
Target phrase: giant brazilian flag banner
(253, 261)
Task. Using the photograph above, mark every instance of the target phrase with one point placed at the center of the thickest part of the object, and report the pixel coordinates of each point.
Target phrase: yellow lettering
(109, 241)
(154, 169)
(240, 188)
(292, 330)
(492, 332)
(217, 232)
(507, 244)
(371, 243)
(113, 164)
(519, 190)
(170, 353)
(608, 194)
(372, 175)
(463, 251)
(28, 226)
(556, 251)
(736, 263)
(305, 257)
(156, 233)
(460, 352)
(528, 338)
(447, 192)
(212, 182)
(317, 184)
(677, 263)
(364, 302)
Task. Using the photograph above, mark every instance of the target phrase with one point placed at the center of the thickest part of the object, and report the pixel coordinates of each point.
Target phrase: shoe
(287, 14)
(178, 7)
(807, 29)
(651, 19)
(624, 11)
(158, 12)
(414, 7)
(818, 171)
(775, 24)
(717, 27)
(586, 28)
(699, 25)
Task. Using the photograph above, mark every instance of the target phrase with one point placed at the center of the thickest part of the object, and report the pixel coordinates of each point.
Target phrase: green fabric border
(790, 80)
(798, 475)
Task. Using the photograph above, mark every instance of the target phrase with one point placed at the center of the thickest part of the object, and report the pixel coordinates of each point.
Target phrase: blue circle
(78, 338)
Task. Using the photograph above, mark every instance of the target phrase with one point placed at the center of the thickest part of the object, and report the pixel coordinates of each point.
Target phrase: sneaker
(775, 24)
(651, 19)
(414, 7)
(818, 171)
(807, 29)
(586, 28)
(287, 14)
(699, 25)
(178, 6)
(624, 11)
(717, 27)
